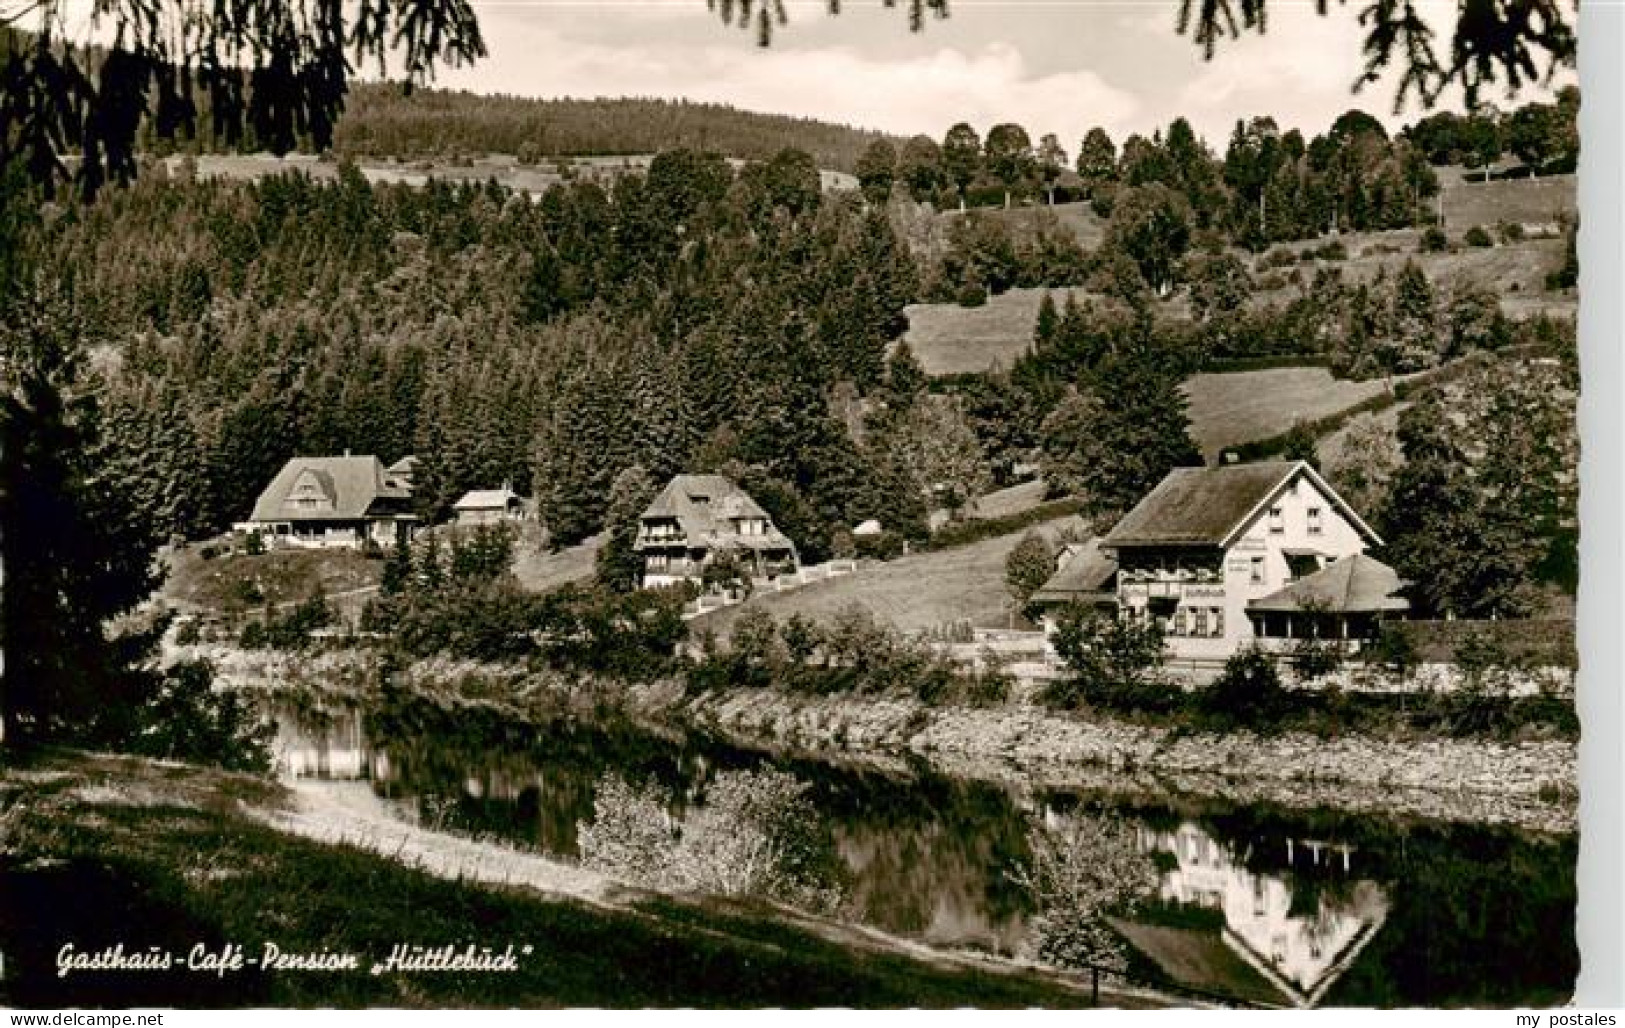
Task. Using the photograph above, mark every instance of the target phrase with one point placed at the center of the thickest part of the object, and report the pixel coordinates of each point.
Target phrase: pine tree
(617, 565)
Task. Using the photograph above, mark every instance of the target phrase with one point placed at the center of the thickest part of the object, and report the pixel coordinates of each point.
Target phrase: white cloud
(923, 92)
(1051, 66)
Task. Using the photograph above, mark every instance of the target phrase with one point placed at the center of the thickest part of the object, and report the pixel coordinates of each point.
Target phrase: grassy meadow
(912, 593)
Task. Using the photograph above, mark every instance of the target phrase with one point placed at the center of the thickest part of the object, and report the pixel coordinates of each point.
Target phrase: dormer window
(1277, 521)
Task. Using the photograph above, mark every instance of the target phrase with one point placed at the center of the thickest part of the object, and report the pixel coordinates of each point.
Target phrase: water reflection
(331, 745)
(1299, 925)
(1267, 907)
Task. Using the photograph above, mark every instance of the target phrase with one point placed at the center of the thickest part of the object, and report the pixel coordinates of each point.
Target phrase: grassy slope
(948, 338)
(920, 591)
(1241, 406)
(1078, 218)
(541, 570)
(1016, 499)
(281, 576)
(104, 850)
(1529, 201)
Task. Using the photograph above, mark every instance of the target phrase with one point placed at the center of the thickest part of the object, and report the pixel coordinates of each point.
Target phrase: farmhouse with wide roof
(333, 502)
(696, 518)
(1225, 555)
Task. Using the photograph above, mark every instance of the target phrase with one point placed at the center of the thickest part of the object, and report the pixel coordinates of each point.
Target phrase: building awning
(1354, 585)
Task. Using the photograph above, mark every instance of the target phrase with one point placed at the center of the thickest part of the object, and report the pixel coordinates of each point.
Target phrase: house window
(1179, 621)
(1301, 565)
(1277, 525)
(1314, 520)
(1258, 570)
(1218, 621)
(1201, 621)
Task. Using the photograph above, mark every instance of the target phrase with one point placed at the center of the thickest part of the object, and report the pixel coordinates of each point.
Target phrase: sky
(1059, 66)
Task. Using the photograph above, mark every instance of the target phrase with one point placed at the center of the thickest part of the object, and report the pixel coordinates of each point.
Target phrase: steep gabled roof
(1087, 574)
(1354, 585)
(354, 485)
(1211, 506)
(705, 507)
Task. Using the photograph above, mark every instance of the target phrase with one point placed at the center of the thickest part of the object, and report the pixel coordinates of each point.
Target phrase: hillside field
(235, 583)
(1530, 201)
(948, 339)
(1079, 218)
(913, 593)
(1241, 406)
(540, 571)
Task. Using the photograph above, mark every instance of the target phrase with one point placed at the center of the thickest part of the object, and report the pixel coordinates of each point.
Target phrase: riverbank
(99, 850)
(1530, 784)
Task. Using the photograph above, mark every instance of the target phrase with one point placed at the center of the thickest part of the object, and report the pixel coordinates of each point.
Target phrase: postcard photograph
(539, 504)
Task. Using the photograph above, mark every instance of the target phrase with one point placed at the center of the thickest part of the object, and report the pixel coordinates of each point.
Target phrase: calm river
(1269, 905)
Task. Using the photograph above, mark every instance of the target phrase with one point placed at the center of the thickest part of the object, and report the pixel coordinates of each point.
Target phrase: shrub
(1434, 240)
(1248, 691)
(1114, 663)
(1079, 875)
(254, 545)
(1333, 251)
(1395, 649)
(252, 636)
(188, 719)
(1485, 664)
(1510, 231)
(1028, 566)
(971, 294)
(1279, 257)
(757, 653)
(756, 834)
(885, 545)
(1315, 658)
(991, 685)
(726, 572)
(843, 545)
(208, 552)
(1476, 236)
(189, 634)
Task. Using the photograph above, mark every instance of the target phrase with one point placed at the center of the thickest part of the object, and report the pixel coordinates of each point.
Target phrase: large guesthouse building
(698, 517)
(333, 502)
(1227, 555)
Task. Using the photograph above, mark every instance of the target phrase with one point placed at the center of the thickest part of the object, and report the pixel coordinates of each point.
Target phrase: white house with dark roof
(1223, 555)
(333, 502)
(697, 517)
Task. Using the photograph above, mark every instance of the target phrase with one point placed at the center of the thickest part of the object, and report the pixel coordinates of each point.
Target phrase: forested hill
(380, 120)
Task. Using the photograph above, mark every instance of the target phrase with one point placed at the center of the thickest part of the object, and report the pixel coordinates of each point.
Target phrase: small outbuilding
(488, 506)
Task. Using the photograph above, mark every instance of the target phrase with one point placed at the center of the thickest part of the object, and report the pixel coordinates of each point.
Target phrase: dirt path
(348, 813)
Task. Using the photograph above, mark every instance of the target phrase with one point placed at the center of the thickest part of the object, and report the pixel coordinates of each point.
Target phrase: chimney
(346, 451)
